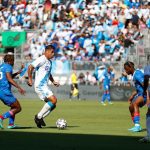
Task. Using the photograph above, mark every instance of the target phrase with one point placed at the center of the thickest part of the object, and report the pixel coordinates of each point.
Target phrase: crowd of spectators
(79, 29)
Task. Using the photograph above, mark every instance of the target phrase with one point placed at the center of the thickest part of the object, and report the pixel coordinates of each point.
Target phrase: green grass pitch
(91, 126)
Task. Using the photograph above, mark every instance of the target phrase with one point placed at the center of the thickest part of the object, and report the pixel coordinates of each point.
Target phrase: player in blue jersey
(146, 139)
(6, 95)
(107, 77)
(43, 66)
(138, 98)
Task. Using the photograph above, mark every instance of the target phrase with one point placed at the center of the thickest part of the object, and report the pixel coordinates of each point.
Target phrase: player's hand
(22, 66)
(22, 91)
(56, 84)
(29, 82)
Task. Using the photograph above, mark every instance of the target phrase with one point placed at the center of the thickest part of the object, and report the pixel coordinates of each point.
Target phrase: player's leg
(9, 100)
(50, 103)
(139, 102)
(71, 91)
(146, 139)
(104, 96)
(131, 109)
(108, 96)
(148, 116)
(78, 95)
(48, 107)
(1, 118)
(148, 122)
(15, 108)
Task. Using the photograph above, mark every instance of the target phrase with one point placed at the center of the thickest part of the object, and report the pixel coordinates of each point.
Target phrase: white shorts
(43, 92)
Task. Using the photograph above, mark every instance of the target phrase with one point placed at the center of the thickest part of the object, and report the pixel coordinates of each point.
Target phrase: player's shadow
(54, 127)
(143, 130)
(23, 128)
(17, 140)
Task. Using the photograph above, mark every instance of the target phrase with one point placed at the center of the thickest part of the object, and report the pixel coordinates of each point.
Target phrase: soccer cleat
(135, 129)
(37, 121)
(110, 103)
(145, 139)
(103, 103)
(12, 126)
(1, 124)
(42, 122)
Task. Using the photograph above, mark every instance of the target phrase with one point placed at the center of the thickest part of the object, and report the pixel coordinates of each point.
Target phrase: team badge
(46, 68)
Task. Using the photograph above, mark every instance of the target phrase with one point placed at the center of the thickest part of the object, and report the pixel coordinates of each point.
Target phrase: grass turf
(91, 126)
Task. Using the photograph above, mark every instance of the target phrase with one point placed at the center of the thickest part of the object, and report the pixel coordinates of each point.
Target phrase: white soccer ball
(61, 123)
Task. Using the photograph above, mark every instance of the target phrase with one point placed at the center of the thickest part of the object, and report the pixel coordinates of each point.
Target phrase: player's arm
(30, 71)
(18, 72)
(53, 81)
(10, 79)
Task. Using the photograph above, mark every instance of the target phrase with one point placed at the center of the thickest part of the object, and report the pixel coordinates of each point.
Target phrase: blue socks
(106, 96)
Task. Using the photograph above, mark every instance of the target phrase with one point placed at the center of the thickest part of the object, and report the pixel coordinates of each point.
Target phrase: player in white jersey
(43, 66)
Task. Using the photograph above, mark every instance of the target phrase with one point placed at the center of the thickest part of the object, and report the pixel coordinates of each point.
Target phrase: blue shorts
(106, 87)
(7, 97)
(137, 95)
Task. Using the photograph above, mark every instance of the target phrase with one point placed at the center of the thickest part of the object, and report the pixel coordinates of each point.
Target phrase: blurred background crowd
(80, 30)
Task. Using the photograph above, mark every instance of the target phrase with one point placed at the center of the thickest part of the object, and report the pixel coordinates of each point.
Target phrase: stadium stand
(101, 31)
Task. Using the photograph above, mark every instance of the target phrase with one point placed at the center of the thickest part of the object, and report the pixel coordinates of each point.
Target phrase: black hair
(50, 46)
(129, 64)
(8, 58)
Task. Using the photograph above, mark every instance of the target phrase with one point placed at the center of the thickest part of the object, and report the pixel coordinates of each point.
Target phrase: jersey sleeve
(140, 77)
(8, 68)
(38, 62)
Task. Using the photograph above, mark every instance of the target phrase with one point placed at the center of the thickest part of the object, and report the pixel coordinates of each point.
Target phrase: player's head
(9, 58)
(49, 51)
(129, 67)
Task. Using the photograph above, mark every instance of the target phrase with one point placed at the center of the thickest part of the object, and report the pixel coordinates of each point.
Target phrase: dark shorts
(7, 97)
(144, 98)
(74, 86)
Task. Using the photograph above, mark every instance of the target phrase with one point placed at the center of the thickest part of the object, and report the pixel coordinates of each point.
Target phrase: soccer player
(146, 139)
(138, 98)
(107, 77)
(6, 95)
(43, 66)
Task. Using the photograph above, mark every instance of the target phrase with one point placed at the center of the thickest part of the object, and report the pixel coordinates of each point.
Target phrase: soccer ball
(61, 123)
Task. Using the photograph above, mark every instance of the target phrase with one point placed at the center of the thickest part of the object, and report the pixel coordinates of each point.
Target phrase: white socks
(47, 113)
(44, 111)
